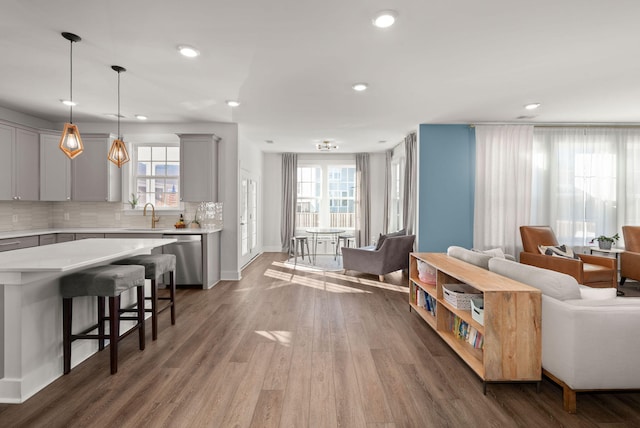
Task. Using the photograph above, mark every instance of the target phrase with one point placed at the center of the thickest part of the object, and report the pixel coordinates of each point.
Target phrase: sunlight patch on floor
(310, 282)
(369, 282)
(279, 336)
(300, 267)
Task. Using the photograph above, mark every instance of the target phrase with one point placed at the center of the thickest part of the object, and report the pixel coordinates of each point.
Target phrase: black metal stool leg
(114, 331)
(154, 309)
(141, 316)
(172, 297)
(67, 312)
(101, 318)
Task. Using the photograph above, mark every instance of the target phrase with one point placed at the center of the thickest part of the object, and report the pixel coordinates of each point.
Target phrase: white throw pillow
(495, 252)
(557, 251)
(589, 293)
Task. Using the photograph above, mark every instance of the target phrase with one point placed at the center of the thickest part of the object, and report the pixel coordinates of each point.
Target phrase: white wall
(272, 197)
(376, 177)
(250, 164)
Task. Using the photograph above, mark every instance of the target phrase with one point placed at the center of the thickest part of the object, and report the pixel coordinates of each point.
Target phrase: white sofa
(590, 337)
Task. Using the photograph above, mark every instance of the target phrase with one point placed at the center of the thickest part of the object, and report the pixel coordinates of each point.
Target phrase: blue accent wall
(446, 185)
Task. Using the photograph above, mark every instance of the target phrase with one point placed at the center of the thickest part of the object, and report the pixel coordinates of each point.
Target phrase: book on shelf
(426, 301)
(463, 331)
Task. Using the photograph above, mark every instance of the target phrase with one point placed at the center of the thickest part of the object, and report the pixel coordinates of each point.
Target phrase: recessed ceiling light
(188, 51)
(141, 117)
(532, 106)
(360, 87)
(385, 18)
(69, 103)
(232, 103)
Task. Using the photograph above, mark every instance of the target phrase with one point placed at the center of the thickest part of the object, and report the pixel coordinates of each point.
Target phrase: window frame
(129, 178)
(324, 214)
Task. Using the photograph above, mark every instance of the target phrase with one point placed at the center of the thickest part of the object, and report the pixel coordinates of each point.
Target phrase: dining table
(315, 232)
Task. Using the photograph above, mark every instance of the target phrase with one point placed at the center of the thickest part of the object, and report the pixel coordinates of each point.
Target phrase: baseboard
(230, 275)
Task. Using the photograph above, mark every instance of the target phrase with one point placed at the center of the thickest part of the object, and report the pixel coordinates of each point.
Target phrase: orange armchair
(630, 259)
(593, 271)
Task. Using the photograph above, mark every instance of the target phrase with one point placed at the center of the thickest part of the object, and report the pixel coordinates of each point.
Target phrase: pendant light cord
(71, 82)
(119, 136)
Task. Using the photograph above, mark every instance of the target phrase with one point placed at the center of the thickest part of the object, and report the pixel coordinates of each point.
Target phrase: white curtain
(289, 199)
(363, 203)
(410, 199)
(504, 158)
(629, 205)
(587, 181)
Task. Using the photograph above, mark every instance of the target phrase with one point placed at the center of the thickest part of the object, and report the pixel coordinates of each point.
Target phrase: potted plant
(133, 201)
(605, 242)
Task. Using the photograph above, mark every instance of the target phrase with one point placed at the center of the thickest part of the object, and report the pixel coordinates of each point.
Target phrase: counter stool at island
(102, 281)
(156, 265)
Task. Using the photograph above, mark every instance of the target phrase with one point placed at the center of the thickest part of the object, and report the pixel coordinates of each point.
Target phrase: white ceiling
(291, 64)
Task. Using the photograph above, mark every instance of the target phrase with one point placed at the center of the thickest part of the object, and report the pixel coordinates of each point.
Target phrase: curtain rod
(564, 125)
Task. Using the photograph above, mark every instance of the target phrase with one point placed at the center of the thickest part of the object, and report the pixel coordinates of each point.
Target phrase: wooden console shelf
(511, 349)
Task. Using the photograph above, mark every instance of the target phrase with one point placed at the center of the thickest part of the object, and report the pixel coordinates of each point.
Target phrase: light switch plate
(66, 216)
(14, 218)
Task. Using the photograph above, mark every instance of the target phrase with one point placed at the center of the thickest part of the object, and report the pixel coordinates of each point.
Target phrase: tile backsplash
(19, 215)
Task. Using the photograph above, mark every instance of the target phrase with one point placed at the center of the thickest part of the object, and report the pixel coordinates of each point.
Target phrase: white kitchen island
(31, 319)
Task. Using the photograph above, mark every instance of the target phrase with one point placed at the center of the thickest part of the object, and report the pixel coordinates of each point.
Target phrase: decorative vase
(604, 245)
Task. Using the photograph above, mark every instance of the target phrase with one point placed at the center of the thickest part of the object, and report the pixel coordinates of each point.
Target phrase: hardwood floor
(300, 349)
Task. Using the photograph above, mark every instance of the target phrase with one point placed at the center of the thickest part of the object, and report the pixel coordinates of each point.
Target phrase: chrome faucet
(154, 219)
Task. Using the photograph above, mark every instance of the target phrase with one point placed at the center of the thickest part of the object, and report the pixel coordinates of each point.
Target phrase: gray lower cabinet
(65, 237)
(54, 238)
(79, 236)
(20, 242)
(20, 164)
(48, 239)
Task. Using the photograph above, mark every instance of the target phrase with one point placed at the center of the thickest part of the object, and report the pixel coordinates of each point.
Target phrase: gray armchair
(392, 255)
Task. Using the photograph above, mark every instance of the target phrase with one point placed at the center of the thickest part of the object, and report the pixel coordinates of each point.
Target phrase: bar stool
(156, 265)
(301, 241)
(102, 281)
(345, 240)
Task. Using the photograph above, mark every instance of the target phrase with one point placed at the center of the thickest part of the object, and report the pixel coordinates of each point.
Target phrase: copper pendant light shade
(71, 142)
(118, 153)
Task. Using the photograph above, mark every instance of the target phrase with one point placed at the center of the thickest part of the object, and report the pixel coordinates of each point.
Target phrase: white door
(248, 219)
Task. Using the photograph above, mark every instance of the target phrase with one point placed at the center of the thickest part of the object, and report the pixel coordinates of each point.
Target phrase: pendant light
(118, 152)
(71, 143)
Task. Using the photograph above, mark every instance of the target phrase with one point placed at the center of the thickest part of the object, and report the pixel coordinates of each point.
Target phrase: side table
(616, 253)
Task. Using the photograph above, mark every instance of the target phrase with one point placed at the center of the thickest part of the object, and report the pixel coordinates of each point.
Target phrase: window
(342, 189)
(156, 175)
(326, 196)
(581, 181)
(309, 192)
(397, 194)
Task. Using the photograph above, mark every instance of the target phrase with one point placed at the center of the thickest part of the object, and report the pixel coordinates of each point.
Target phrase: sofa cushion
(474, 257)
(381, 238)
(553, 284)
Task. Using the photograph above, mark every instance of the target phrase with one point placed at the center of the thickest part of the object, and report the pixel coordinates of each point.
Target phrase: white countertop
(67, 256)
(133, 230)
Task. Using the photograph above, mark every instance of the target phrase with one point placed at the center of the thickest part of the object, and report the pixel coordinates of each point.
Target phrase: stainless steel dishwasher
(188, 252)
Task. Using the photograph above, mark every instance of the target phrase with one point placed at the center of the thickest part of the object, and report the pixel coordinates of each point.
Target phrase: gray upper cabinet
(55, 169)
(93, 177)
(198, 167)
(20, 166)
